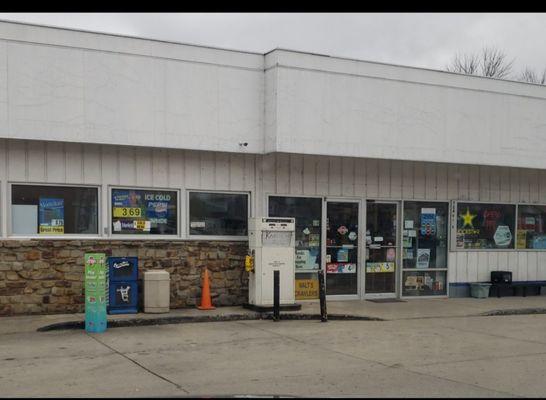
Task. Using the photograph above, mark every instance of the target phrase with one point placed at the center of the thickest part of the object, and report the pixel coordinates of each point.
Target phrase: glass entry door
(342, 250)
(381, 248)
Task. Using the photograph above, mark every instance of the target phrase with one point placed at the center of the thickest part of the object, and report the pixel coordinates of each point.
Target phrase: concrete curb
(517, 311)
(205, 318)
(119, 323)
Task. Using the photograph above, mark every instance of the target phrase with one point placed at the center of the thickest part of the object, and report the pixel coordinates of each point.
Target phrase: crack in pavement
(493, 357)
(191, 347)
(382, 363)
(494, 335)
(482, 359)
(140, 365)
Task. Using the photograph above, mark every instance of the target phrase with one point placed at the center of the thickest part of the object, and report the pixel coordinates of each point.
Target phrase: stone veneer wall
(46, 276)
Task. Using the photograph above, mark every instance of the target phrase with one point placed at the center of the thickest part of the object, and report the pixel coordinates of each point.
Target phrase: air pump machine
(271, 247)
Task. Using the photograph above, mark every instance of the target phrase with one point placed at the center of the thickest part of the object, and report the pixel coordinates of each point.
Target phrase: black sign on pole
(276, 295)
(322, 297)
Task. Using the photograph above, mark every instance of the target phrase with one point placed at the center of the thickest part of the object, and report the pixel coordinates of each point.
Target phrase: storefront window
(424, 248)
(308, 214)
(53, 210)
(424, 235)
(531, 232)
(342, 248)
(381, 247)
(144, 212)
(485, 226)
(218, 214)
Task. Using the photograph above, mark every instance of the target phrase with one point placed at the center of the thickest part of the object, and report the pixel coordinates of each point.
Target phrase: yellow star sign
(467, 218)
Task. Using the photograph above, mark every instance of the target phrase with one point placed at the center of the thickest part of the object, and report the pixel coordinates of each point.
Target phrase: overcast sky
(421, 40)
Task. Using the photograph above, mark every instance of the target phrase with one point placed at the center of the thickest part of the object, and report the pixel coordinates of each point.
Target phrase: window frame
(453, 226)
(517, 218)
(9, 205)
(448, 240)
(322, 228)
(322, 234)
(190, 236)
(448, 249)
(127, 236)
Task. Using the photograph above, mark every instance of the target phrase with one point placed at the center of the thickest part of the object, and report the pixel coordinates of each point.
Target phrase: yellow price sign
(306, 289)
(127, 212)
(141, 225)
(51, 230)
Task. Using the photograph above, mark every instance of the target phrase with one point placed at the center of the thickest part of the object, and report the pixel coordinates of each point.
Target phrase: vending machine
(122, 285)
(271, 247)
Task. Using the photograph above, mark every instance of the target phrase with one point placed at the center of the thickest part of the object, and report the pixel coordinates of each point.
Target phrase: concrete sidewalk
(407, 309)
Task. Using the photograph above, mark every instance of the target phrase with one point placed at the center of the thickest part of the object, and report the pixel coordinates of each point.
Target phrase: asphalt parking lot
(496, 356)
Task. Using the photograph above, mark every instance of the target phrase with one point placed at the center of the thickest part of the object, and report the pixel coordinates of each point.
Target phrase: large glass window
(531, 232)
(342, 250)
(381, 247)
(424, 248)
(424, 235)
(218, 214)
(485, 226)
(308, 214)
(144, 212)
(53, 210)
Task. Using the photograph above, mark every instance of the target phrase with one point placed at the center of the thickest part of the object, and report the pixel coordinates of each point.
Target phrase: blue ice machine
(123, 286)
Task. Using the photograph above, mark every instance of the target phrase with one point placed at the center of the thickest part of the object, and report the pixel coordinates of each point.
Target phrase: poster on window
(375, 267)
(306, 289)
(307, 259)
(143, 211)
(485, 226)
(428, 221)
(423, 258)
(51, 216)
(341, 268)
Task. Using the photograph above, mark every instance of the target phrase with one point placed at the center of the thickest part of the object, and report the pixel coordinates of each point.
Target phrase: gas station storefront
(367, 248)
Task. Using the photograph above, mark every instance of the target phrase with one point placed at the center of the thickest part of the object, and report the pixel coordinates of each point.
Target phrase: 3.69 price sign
(120, 212)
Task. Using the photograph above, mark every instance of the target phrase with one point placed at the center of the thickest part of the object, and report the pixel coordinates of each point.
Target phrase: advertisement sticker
(145, 211)
(341, 268)
(374, 267)
(423, 258)
(502, 236)
(302, 257)
(428, 221)
(51, 216)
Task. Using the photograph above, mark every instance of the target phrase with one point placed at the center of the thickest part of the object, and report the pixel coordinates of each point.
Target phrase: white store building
(403, 181)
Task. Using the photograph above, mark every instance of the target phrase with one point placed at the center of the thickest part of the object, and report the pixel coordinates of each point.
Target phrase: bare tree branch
(494, 63)
(529, 75)
(464, 64)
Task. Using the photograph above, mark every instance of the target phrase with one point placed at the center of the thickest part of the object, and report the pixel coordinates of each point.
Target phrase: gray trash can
(156, 291)
(480, 290)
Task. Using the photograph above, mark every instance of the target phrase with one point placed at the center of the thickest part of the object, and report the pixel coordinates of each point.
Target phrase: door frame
(448, 247)
(359, 288)
(398, 260)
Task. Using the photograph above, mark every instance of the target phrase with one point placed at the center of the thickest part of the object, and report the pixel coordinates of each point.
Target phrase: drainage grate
(386, 300)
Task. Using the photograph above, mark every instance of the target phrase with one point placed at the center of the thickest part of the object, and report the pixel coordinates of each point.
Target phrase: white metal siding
(81, 87)
(66, 93)
(328, 105)
(103, 165)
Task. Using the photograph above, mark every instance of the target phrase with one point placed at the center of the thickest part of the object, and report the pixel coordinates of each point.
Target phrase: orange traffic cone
(206, 303)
